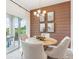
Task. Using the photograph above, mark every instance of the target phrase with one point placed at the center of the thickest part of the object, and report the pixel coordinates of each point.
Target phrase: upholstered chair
(59, 50)
(33, 50)
(22, 38)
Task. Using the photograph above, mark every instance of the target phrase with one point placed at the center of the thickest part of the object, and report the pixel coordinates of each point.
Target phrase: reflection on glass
(42, 27)
(50, 27)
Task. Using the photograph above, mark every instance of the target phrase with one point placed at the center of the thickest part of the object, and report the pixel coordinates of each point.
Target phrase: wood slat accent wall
(62, 20)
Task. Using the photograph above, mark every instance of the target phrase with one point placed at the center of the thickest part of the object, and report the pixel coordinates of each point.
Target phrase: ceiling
(33, 4)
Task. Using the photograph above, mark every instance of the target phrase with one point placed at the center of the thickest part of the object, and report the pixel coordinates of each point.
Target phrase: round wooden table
(45, 42)
(49, 41)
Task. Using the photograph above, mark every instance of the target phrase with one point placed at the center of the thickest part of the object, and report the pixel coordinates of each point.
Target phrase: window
(15, 27)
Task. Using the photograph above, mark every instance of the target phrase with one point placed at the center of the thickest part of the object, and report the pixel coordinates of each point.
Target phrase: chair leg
(22, 55)
(60, 58)
(51, 57)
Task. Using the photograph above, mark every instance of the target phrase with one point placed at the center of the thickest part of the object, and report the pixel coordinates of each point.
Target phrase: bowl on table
(41, 38)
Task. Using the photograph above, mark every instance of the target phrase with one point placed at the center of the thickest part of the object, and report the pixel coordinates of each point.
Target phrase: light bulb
(38, 15)
(35, 13)
(39, 11)
(44, 12)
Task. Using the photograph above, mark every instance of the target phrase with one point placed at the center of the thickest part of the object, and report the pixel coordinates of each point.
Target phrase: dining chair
(59, 50)
(22, 38)
(33, 50)
(68, 54)
(45, 35)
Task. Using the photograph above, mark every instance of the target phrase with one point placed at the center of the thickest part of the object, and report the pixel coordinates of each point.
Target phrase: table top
(49, 41)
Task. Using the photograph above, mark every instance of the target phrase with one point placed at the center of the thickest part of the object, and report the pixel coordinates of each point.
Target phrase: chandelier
(39, 12)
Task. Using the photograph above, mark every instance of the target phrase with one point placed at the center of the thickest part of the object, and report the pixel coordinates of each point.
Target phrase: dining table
(46, 42)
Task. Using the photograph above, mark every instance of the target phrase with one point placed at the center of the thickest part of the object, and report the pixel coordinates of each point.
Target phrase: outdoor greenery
(16, 33)
(15, 28)
(19, 32)
(22, 30)
(7, 31)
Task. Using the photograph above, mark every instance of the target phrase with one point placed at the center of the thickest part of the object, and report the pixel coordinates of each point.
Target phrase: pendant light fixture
(39, 12)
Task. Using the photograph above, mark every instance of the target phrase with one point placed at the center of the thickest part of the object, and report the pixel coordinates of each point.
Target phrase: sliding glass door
(15, 27)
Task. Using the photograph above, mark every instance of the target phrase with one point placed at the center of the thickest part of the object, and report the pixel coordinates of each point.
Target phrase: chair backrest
(33, 50)
(45, 34)
(24, 37)
(61, 48)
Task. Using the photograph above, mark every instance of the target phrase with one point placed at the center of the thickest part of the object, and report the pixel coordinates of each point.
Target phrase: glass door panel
(14, 29)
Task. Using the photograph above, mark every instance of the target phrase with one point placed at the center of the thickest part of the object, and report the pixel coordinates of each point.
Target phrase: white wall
(15, 10)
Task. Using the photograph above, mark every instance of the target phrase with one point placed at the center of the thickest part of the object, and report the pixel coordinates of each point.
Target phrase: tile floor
(14, 55)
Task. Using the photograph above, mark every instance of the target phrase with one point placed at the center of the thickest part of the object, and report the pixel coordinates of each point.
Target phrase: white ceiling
(33, 4)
